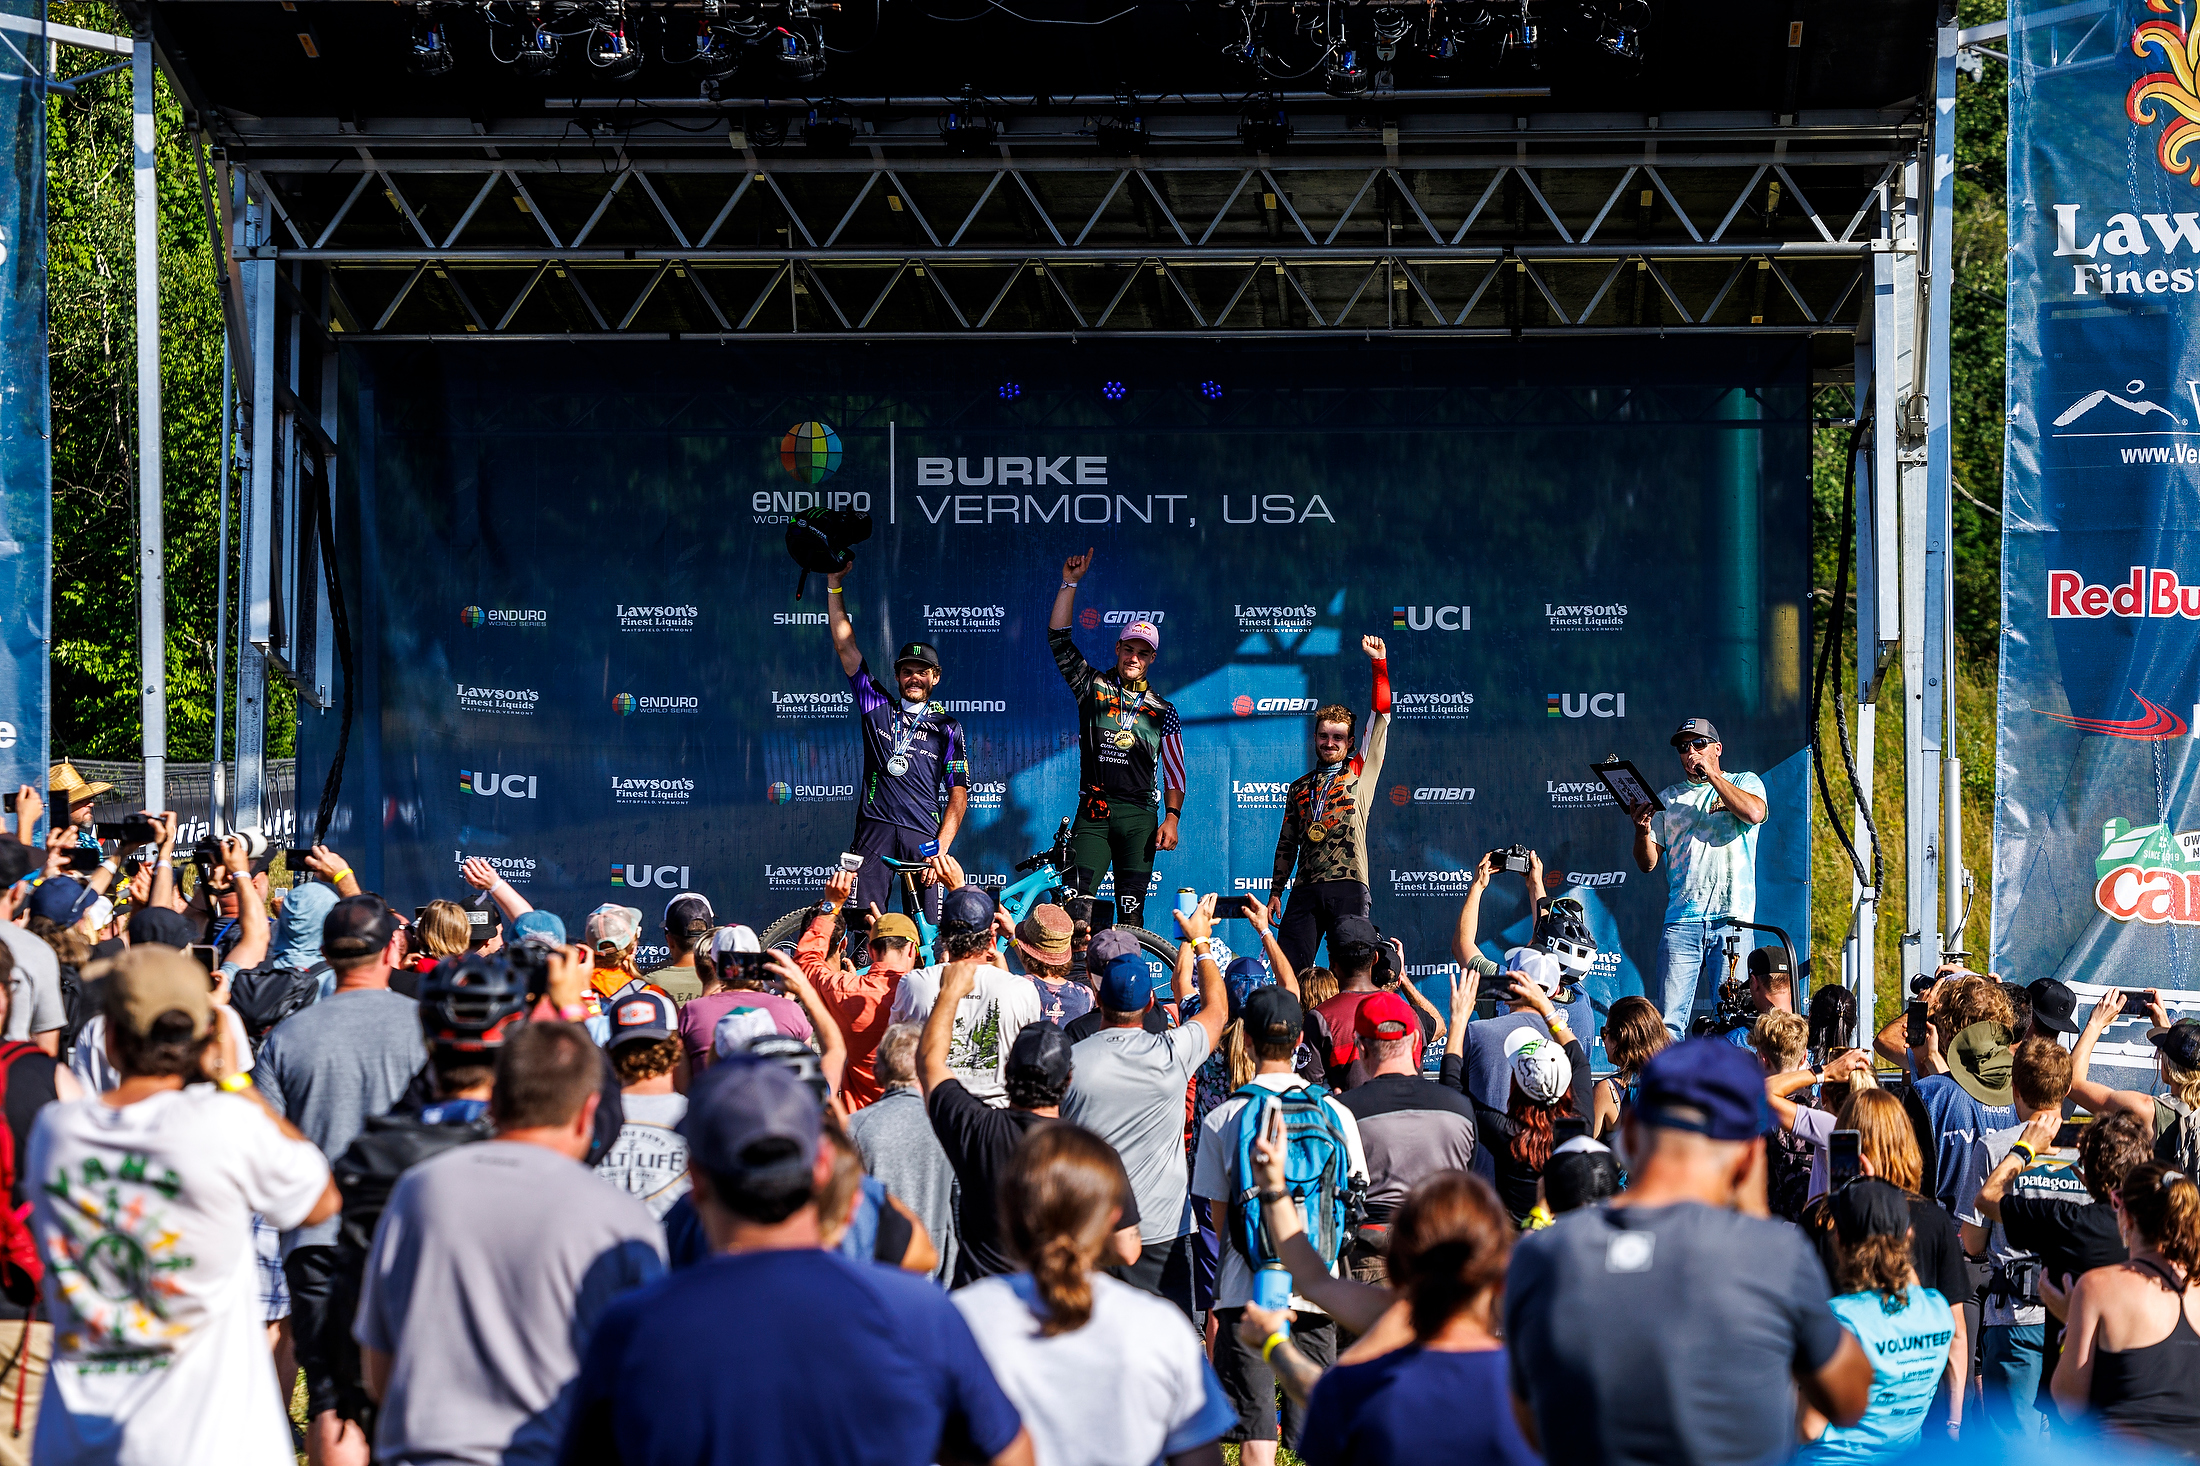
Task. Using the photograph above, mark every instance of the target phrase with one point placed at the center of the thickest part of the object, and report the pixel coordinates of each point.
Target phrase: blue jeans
(2009, 1378)
(1688, 967)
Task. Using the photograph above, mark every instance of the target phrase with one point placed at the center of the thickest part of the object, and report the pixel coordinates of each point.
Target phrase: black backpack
(265, 995)
(366, 1173)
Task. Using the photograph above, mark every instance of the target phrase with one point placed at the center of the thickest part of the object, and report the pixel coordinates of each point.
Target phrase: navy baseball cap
(1126, 982)
(61, 901)
(1273, 1017)
(1040, 1052)
(752, 1118)
(966, 909)
(1870, 1207)
(646, 1015)
(1708, 1086)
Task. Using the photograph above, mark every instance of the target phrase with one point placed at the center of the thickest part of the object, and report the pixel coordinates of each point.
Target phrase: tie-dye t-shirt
(1710, 855)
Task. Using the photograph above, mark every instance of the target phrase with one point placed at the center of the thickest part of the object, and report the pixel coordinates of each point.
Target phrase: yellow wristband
(336, 877)
(1269, 1347)
(236, 1083)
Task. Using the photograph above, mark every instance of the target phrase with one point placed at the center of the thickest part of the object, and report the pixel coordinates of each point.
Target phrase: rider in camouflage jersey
(1126, 734)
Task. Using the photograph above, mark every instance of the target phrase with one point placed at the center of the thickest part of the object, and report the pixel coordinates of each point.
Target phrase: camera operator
(1707, 834)
(916, 762)
(69, 791)
(1324, 831)
(1771, 990)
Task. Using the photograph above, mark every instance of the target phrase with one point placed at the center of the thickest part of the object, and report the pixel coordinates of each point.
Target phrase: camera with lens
(1513, 858)
(1921, 984)
(207, 853)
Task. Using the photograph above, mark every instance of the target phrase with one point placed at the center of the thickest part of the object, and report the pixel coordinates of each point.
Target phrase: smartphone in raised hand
(1844, 1158)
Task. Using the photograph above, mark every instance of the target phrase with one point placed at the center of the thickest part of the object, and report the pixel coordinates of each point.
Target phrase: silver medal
(898, 765)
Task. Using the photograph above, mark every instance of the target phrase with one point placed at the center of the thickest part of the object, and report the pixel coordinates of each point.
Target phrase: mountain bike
(1039, 878)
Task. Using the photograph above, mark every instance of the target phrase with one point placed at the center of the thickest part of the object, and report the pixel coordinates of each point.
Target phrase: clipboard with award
(1627, 786)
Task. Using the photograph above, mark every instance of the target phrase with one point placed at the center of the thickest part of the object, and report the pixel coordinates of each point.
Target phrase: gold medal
(1124, 740)
(1317, 834)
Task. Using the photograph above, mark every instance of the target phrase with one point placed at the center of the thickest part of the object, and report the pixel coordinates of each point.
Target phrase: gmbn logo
(1432, 618)
(489, 785)
(2148, 874)
(1092, 618)
(1247, 707)
(1585, 704)
(1401, 794)
(475, 617)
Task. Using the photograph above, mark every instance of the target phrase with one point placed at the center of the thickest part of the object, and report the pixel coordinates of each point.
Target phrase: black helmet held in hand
(821, 541)
(470, 1003)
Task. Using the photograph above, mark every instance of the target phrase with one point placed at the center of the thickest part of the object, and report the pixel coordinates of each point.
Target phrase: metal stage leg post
(1940, 597)
(1921, 712)
(217, 784)
(152, 590)
(255, 517)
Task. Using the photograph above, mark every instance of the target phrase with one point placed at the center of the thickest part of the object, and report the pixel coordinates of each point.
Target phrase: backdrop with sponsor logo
(2096, 831)
(585, 661)
(26, 512)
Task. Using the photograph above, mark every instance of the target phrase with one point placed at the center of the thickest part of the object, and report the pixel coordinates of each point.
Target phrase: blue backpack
(1316, 1173)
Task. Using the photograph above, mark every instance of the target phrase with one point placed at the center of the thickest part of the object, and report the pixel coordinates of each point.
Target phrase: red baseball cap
(1384, 1016)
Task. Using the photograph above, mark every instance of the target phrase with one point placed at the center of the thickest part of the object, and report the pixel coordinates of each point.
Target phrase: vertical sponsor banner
(2096, 834)
(25, 462)
(590, 669)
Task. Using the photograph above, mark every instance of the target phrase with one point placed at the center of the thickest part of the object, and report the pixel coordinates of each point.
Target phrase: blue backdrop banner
(583, 659)
(26, 515)
(2096, 839)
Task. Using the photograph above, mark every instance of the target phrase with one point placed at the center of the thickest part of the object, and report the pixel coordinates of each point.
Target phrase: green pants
(1124, 839)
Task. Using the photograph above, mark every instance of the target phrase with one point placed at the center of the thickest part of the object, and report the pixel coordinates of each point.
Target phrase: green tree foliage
(93, 360)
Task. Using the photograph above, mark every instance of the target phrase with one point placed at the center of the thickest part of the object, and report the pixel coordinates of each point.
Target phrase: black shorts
(315, 1329)
(1251, 1384)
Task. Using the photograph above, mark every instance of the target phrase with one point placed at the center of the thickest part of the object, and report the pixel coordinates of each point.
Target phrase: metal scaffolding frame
(678, 225)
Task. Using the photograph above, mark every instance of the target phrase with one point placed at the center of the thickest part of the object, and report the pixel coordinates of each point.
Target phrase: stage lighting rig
(966, 128)
(610, 50)
(1124, 133)
(431, 48)
(1346, 75)
(828, 129)
(717, 52)
(798, 51)
(1263, 126)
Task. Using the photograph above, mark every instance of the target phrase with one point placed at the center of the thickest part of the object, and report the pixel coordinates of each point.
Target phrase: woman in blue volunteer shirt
(1448, 1248)
(1905, 1328)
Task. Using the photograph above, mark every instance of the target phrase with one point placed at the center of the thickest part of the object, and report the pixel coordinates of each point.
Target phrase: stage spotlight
(1622, 36)
(1010, 391)
(538, 50)
(431, 49)
(716, 57)
(797, 54)
(1113, 391)
(1263, 127)
(610, 51)
(1390, 29)
(1211, 390)
(966, 128)
(1346, 77)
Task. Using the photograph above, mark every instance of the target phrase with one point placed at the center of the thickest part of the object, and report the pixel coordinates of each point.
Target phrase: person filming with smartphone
(1707, 837)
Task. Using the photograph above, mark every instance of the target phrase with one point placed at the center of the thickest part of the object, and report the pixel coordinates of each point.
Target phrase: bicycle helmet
(1562, 929)
(470, 1003)
(797, 1057)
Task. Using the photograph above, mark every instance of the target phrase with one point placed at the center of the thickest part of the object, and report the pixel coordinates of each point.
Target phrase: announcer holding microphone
(1707, 834)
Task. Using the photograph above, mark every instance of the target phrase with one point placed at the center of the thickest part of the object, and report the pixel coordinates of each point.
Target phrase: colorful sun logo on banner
(2177, 89)
(623, 703)
(779, 793)
(810, 452)
(472, 616)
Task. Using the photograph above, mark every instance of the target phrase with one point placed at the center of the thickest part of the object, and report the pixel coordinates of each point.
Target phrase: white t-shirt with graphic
(986, 1023)
(144, 1216)
(649, 1159)
(1710, 855)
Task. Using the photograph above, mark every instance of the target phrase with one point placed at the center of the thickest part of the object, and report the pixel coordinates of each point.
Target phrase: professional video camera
(1734, 1009)
(822, 541)
(1513, 858)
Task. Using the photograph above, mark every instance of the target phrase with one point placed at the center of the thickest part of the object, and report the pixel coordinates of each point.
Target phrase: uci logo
(1585, 704)
(645, 877)
(1432, 618)
(489, 786)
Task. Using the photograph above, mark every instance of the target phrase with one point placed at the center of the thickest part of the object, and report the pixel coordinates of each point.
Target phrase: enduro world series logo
(2147, 874)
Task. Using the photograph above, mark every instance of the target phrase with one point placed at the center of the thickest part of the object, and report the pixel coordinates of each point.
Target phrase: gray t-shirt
(34, 992)
(328, 1067)
(1127, 1087)
(1642, 1336)
(894, 1135)
(528, 1248)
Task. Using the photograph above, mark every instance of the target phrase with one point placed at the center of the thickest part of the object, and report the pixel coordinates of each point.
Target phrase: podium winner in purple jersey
(916, 764)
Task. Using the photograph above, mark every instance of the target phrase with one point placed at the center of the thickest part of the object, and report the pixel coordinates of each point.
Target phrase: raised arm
(957, 979)
(1258, 915)
(1465, 934)
(1463, 990)
(844, 631)
(1065, 599)
(832, 1043)
(1355, 1305)
(2099, 1098)
(251, 948)
(1214, 999)
(1646, 844)
(162, 890)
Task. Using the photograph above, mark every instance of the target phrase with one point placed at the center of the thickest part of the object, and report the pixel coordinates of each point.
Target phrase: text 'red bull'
(2148, 592)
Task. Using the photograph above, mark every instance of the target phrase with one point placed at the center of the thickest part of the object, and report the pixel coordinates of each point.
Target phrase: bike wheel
(1153, 944)
(785, 934)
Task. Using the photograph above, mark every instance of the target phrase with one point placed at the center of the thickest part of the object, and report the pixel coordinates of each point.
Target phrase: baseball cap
(1694, 728)
(1539, 1066)
(964, 910)
(157, 926)
(894, 924)
(1144, 631)
(1708, 1086)
(738, 1028)
(1111, 941)
(61, 901)
(1385, 1016)
(1541, 967)
(689, 915)
(545, 924)
(1581, 1172)
(1869, 1207)
(752, 1119)
(1353, 931)
(1273, 1018)
(1041, 1052)
(2180, 1043)
(1126, 981)
(2053, 1004)
(145, 982)
(921, 652)
(613, 928)
(1044, 934)
(732, 939)
(645, 1015)
(359, 926)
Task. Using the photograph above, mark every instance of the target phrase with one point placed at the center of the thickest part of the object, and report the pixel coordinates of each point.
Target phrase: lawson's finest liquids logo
(1585, 618)
(627, 704)
(964, 618)
(518, 869)
(1431, 706)
(509, 702)
(1292, 619)
(489, 785)
(1247, 794)
(658, 618)
(993, 795)
(2148, 874)
(811, 706)
(798, 877)
(476, 617)
(628, 790)
(1452, 883)
(1579, 794)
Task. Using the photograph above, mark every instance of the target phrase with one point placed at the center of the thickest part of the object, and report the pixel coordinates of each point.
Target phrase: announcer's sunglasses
(1696, 745)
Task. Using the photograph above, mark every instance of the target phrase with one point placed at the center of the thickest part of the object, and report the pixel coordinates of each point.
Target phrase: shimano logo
(489, 785)
(799, 618)
(1247, 707)
(977, 706)
(650, 877)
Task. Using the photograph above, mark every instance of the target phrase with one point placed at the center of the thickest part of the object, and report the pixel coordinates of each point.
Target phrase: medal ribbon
(903, 737)
(1325, 789)
(1128, 720)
